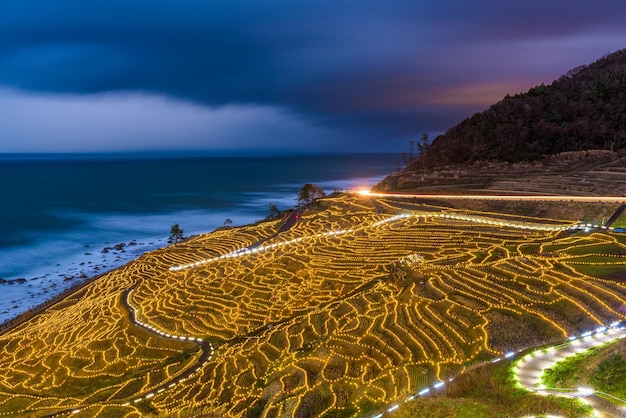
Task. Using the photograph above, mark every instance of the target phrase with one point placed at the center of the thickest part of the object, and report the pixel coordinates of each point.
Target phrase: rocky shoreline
(22, 296)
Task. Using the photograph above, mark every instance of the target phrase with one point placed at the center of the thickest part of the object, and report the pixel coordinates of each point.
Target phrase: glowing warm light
(317, 299)
(554, 198)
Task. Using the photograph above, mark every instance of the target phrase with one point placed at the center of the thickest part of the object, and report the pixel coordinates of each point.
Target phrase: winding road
(207, 354)
(530, 368)
(207, 349)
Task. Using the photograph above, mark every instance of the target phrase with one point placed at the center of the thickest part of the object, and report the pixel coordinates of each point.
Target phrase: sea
(68, 217)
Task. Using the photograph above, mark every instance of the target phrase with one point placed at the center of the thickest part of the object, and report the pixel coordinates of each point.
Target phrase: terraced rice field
(354, 307)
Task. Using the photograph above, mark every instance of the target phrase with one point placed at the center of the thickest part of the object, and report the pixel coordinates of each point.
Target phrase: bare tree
(424, 144)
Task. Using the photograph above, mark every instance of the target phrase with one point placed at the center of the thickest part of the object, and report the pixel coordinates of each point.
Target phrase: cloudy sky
(276, 76)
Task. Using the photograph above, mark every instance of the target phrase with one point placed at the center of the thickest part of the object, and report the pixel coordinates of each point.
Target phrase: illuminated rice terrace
(353, 308)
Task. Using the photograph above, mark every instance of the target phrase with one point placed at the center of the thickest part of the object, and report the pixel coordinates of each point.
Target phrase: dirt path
(206, 347)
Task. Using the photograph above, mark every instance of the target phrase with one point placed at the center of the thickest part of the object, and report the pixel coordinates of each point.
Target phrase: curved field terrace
(360, 303)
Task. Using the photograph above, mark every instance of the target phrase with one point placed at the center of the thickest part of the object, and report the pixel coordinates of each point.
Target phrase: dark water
(59, 211)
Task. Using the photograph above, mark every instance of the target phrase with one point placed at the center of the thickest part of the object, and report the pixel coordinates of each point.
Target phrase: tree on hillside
(228, 221)
(309, 193)
(423, 145)
(273, 212)
(176, 233)
(407, 157)
(582, 110)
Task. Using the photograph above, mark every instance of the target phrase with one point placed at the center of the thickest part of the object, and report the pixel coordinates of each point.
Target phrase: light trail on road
(554, 198)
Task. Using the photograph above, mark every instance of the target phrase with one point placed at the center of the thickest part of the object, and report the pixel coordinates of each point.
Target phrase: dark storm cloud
(397, 67)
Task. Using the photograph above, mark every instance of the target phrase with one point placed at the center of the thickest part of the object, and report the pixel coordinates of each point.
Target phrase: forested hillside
(582, 110)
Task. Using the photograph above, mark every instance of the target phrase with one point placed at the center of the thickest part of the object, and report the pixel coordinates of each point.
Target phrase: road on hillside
(289, 223)
(556, 198)
(530, 369)
(616, 215)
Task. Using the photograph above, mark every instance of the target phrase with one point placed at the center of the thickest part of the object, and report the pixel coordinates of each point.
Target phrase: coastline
(58, 286)
(26, 314)
(34, 311)
(109, 212)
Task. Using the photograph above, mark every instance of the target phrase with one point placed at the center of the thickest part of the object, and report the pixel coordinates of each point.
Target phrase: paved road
(561, 198)
(616, 215)
(530, 368)
(289, 223)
